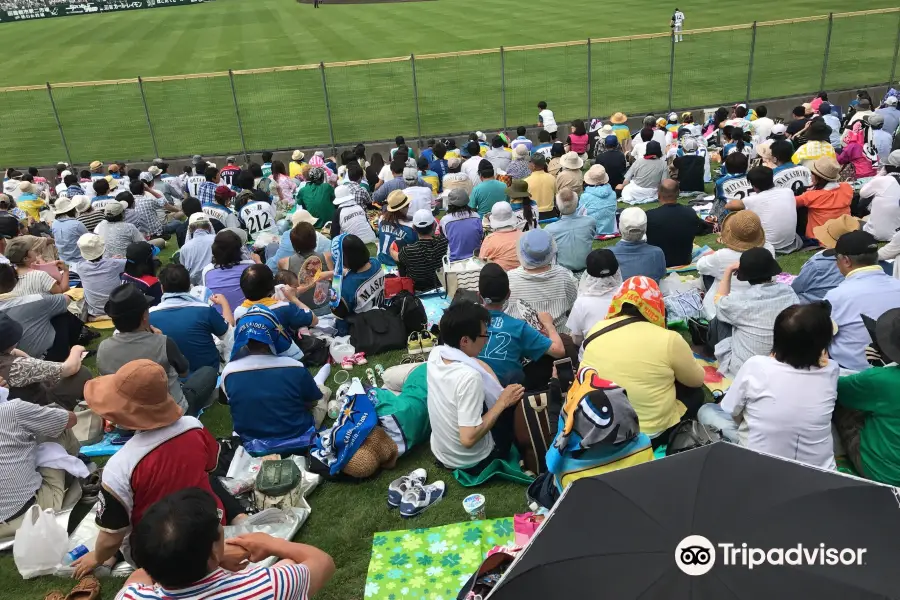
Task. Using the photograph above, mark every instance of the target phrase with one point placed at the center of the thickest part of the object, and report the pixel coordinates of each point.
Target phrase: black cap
(854, 243)
(887, 334)
(10, 332)
(485, 167)
(653, 148)
(493, 284)
(602, 263)
(757, 264)
(127, 299)
(9, 227)
(138, 252)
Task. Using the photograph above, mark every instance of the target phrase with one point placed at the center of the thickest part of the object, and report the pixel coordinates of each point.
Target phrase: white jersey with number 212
(258, 216)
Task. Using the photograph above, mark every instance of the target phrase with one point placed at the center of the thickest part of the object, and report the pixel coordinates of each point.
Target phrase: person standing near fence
(678, 25)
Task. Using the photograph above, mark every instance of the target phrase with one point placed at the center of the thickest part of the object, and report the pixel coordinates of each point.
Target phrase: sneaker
(427, 341)
(420, 497)
(359, 358)
(398, 487)
(348, 362)
(413, 345)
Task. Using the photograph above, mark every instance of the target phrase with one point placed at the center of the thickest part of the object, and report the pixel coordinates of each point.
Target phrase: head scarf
(259, 323)
(596, 287)
(643, 293)
(317, 160)
(856, 134)
(316, 175)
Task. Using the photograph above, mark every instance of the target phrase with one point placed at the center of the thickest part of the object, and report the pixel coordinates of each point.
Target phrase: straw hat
(397, 200)
(618, 118)
(829, 232)
(826, 168)
(95, 166)
(302, 215)
(26, 187)
(743, 230)
(596, 175)
(571, 160)
(135, 397)
(297, 155)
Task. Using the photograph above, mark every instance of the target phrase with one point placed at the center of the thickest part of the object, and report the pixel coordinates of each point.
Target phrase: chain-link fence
(331, 104)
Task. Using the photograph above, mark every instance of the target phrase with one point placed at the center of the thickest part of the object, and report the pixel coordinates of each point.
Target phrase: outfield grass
(376, 101)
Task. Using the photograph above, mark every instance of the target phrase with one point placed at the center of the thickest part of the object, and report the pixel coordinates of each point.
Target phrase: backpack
(410, 310)
(315, 351)
(377, 331)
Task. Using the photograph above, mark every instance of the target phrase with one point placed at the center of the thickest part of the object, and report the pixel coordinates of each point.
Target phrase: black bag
(376, 331)
(691, 434)
(534, 430)
(410, 310)
(315, 351)
(464, 295)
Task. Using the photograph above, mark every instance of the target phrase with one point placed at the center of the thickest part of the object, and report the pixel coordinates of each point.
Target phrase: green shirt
(318, 199)
(875, 392)
(486, 194)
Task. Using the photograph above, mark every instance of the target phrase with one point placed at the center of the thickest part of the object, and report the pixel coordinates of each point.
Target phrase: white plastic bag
(40, 543)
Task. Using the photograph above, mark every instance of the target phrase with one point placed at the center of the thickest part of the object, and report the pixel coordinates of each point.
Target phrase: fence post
(671, 68)
(503, 85)
(750, 65)
(827, 50)
(412, 62)
(589, 77)
(237, 113)
(896, 51)
(59, 124)
(147, 114)
(327, 108)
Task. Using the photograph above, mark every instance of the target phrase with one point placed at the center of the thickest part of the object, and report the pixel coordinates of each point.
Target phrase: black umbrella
(616, 536)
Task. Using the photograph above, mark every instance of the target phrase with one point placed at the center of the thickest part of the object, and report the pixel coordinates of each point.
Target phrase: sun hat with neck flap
(536, 249)
(596, 175)
(742, 230)
(135, 397)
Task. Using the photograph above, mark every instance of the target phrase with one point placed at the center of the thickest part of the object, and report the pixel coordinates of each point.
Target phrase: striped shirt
(553, 291)
(33, 282)
(285, 582)
(91, 219)
(20, 422)
(421, 261)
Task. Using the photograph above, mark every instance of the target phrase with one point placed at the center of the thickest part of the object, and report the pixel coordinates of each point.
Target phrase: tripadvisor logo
(696, 555)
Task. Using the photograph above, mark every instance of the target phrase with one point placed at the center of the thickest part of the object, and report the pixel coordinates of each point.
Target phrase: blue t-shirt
(427, 154)
(364, 291)
(280, 408)
(388, 233)
(190, 324)
(509, 341)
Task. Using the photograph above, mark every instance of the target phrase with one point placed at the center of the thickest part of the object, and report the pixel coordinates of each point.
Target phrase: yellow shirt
(542, 187)
(645, 359)
(294, 169)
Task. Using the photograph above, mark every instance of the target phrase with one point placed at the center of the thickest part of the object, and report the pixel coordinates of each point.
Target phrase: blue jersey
(364, 291)
(191, 324)
(388, 233)
(509, 341)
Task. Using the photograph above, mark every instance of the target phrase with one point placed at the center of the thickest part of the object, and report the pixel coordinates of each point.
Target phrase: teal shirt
(486, 194)
(509, 341)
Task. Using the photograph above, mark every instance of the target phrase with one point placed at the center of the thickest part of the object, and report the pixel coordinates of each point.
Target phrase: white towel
(54, 456)
(492, 387)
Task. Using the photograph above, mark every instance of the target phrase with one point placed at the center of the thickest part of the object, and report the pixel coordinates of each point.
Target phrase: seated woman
(644, 177)
(22, 253)
(853, 153)
(421, 260)
(461, 226)
(169, 452)
(599, 283)
(782, 403)
(140, 270)
(599, 200)
(825, 200)
(362, 284)
(314, 269)
(283, 248)
(223, 276)
(633, 348)
(393, 227)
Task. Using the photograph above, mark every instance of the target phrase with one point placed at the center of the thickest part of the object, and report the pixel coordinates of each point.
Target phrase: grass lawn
(376, 101)
(345, 516)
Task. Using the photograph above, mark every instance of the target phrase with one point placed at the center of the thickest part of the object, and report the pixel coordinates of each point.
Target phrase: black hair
(542, 105)
(266, 157)
(186, 169)
(226, 250)
(8, 278)
(822, 96)
(430, 142)
(136, 186)
(486, 171)
(129, 321)
(493, 284)
(761, 178)
(354, 171)
(303, 238)
(463, 319)
(190, 205)
(799, 111)
(402, 151)
(740, 111)
(126, 197)
(71, 180)
(255, 170)
(473, 148)
(133, 174)
(347, 157)
(28, 177)
(257, 282)
(175, 278)
(399, 141)
(801, 333)
(544, 136)
(175, 538)
(284, 277)
(101, 186)
(245, 179)
(210, 173)
(85, 174)
(557, 150)
(148, 267)
(360, 151)
(520, 130)
(278, 168)
(646, 134)
(439, 150)
(33, 171)
(782, 151)
(422, 163)
(397, 166)
(497, 142)
(736, 163)
(818, 131)
(424, 230)
(720, 115)
(355, 253)
(761, 111)
(579, 127)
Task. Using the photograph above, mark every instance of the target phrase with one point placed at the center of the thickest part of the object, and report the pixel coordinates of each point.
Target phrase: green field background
(456, 94)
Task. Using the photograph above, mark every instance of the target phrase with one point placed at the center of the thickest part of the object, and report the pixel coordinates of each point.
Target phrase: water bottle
(76, 553)
(334, 409)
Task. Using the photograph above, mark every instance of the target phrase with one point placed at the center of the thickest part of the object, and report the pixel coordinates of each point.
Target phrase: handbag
(459, 274)
(534, 430)
(88, 428)
(376, 331)
(394, 284)
(315, 350)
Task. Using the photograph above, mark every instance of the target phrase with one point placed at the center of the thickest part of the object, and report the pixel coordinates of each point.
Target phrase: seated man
(820, 273)
(289, 404)
(196, 252)
(99, 275)
(574, 234)
(775, 207)
(22, 426)
(470, 423)
(170, 452)
(180, 545)
(423, 258)
(636, 256)
(509, 339)
(188, 321)
(866, 415)
(39, 381)
(673, 227)
(866, 290)
(128, 308)
(258, 286)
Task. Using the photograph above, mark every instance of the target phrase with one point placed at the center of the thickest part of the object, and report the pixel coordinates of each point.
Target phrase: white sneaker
(398, 487)
(420, 497)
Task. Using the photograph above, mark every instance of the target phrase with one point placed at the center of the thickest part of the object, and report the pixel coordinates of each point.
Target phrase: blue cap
(611, 141)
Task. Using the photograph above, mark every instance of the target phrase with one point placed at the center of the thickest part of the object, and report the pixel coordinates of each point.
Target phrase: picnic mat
(101, 324)
(696, 253)
(435, 305)
(425, 564)
(712, 379)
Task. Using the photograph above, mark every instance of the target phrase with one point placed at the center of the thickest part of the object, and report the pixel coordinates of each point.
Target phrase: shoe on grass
(420, 497)
(398, 487)
(426, 341)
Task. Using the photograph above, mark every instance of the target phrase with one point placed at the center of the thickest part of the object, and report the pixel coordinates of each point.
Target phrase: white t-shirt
(385, 173)
(470, 169)
(884, 212)
(762, 128)
(258, 216)
(777, 210)
(548, 120)
(587, 312)
(785, 411)
(419, 197)
(455, 399)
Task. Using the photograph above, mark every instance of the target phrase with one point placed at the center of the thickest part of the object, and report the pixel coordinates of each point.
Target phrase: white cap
(410, 174)
(423, 218)
(632, 218)
(199, 218)
(891, 100)
(342, 194)
(91, 246)
(779, 129)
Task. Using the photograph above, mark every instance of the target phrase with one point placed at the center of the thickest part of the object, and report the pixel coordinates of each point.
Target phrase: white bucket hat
(502, 215)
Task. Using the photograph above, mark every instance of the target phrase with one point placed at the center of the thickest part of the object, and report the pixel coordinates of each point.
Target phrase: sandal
(86, 589)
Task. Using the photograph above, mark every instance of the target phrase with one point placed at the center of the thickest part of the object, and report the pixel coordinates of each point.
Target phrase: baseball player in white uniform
(677, 25)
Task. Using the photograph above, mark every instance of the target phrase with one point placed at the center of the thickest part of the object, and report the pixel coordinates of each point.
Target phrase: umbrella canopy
(623, 535)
